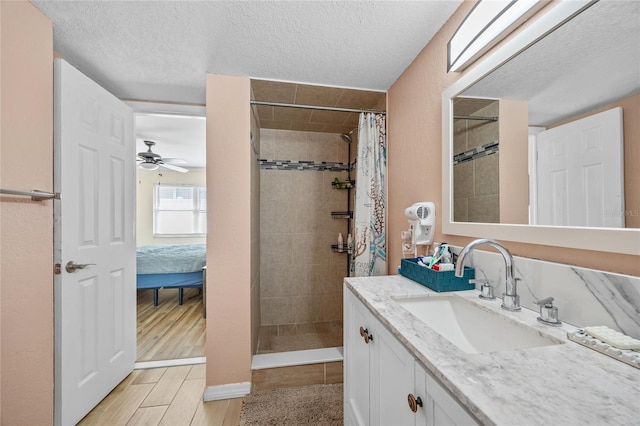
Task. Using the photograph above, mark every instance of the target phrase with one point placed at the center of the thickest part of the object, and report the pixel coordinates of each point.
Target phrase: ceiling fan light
(149, 166)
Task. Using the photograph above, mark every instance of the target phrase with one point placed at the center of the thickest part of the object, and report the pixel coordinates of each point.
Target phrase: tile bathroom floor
(297, 337)
(164, 396)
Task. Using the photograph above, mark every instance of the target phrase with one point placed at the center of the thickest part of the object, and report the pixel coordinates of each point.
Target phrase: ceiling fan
(149, 160)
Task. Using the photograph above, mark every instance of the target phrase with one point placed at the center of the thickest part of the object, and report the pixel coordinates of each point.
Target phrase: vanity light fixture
(488, 22)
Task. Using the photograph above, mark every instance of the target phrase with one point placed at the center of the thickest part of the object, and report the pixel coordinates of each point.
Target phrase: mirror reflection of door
(580, 173)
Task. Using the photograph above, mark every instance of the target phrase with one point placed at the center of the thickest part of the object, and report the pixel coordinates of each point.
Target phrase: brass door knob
(414, 402)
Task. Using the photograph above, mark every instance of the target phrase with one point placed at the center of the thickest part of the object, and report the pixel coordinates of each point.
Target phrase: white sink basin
(471, 327)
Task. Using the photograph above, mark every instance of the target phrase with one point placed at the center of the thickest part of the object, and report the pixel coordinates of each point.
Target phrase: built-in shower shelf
(349, 184)
(342, 215)
(337, 248)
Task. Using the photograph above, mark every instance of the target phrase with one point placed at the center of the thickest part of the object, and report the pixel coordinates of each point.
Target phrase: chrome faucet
(510, 298)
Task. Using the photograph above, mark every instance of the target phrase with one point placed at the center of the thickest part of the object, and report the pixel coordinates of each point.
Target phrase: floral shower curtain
(370, 240)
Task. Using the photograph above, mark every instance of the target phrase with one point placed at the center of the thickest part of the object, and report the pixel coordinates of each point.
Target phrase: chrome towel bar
(35, 194)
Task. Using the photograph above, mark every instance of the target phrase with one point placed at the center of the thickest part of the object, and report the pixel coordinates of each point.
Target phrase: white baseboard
(232, 390)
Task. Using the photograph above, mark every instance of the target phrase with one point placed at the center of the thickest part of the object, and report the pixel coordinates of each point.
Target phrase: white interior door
(95, 322)
(580, 172)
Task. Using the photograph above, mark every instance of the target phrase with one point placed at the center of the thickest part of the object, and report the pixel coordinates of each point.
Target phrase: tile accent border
(478, 152)
(303, 165)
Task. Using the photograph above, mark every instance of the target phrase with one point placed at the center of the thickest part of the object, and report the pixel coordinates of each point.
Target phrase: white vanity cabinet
(382, 376)
(357, 364)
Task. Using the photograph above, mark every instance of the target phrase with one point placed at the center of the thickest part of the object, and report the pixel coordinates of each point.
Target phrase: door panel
(95, 328)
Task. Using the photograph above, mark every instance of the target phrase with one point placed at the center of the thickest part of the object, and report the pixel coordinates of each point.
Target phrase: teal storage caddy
(436, 280)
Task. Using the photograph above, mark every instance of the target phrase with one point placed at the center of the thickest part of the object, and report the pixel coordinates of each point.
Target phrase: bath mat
(313, 405)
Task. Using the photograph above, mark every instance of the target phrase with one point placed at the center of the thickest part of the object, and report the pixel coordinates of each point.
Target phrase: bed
(170, 266)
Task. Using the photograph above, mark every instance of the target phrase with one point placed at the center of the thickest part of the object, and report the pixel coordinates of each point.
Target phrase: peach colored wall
(414, 162)
(631, 129)
(514, 174)
(26, 227)
(414, 131)
(229, 239)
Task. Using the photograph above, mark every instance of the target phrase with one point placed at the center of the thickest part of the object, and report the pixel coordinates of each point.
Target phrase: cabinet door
(392, 380)
(356, 361)
(440, 407)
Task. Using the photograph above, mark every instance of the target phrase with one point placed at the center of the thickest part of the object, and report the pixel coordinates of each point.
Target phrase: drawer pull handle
(365, 334)
(414, 402)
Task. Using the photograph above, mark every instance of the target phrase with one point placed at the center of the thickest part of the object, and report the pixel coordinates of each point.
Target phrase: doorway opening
(171, 208)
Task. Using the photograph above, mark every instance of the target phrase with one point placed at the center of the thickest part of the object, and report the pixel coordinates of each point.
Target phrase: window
(179, 210)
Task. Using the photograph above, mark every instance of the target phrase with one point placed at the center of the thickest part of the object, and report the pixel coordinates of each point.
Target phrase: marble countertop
(565, 384)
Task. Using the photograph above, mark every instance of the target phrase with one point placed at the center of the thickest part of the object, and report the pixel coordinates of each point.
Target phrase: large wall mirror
(541, 140)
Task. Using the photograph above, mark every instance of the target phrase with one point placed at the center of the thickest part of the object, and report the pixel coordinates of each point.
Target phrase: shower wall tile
(461, 210)
(324, 147)
(275, 248)
(486, 175)
(267, 143)
(291, 145)
(276, 310)
(303, 309)
(463, 184)
(484, 209)
(299, 271)
(268, 216)
(459, 136)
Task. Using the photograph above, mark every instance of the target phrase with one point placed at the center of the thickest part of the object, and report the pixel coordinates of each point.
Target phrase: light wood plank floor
(164, 396)
(170, 331)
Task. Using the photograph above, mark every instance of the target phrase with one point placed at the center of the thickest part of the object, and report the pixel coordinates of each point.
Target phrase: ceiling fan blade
(174, 161)
(174, 168)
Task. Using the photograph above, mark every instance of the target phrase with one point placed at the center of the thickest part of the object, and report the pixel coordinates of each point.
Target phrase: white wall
(144, 205)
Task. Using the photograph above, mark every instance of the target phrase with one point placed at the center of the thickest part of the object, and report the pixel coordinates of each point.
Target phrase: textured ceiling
(591, 61)
(161, 50)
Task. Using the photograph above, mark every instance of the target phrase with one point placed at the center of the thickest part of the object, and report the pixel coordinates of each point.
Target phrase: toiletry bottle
(349, 244)
(340, 242)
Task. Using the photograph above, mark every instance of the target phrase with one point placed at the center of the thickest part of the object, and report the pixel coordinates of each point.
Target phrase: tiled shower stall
(475, 178)
(301, 275)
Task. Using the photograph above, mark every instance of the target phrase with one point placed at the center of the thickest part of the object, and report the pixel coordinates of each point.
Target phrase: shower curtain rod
(474, 117)
(324, 108)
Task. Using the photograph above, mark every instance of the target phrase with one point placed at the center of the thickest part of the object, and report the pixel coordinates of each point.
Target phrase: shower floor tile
(296, 337)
